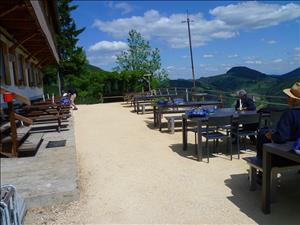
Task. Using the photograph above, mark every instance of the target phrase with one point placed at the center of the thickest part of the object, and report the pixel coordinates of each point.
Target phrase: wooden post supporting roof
(26, 38)
(9, 10)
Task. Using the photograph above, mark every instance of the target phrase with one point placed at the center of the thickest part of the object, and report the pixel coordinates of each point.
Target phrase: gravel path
(132, 173)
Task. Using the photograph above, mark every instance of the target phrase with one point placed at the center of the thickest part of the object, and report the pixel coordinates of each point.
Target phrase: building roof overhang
(25, 21)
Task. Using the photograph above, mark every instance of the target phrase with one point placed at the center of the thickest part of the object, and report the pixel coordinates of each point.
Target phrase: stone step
(22, 133)
(31, 144)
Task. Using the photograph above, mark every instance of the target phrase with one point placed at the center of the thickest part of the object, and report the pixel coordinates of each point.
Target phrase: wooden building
(27, 44)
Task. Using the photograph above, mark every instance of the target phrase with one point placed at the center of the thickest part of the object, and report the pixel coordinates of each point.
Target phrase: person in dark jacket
(288, 127)
(246, 104)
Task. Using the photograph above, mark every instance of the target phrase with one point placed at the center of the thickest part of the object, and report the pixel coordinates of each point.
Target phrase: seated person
(244, 102)
(288, 127)
(65, 99)
(247, 104)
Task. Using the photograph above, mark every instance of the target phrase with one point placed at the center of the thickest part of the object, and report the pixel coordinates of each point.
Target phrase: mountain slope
(244, 78)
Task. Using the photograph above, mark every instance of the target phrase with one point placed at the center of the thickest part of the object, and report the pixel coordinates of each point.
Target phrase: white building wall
(30, 92)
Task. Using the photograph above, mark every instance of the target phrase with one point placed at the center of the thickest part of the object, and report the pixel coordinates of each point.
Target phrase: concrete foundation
(48, 178)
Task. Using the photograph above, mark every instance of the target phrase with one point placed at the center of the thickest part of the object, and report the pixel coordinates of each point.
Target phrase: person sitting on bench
(287, 129)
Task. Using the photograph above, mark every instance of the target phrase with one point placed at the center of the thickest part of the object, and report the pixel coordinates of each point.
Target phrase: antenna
(188, 21)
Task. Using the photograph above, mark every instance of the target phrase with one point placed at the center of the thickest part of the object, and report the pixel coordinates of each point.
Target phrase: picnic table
(202, 121)
(272, 149)
(159, 110)
(147, 98)
(196, 96)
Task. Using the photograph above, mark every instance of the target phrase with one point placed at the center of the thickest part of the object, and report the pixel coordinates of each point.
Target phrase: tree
(73, 60)
(68, 32)
(139, 56)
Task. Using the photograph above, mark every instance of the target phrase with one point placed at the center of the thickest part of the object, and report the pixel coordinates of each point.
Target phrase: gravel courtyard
(131, 173)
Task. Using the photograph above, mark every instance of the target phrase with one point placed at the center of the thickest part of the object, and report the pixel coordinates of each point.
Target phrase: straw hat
(294, 91)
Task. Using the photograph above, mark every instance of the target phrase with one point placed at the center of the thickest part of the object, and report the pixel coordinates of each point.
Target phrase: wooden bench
(256, 165)
(143, 106)
(171, 122)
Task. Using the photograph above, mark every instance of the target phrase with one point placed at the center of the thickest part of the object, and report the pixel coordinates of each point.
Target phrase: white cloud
(226, 23)
(123, 6)
(297, 49)
(271, 42)
(170, 67)
(102, 60)
(103, 53)
(108, 46)
(253, 62)
(169, 29)
(255, 15)
(277, 60)
(233, 56)
(208, 56)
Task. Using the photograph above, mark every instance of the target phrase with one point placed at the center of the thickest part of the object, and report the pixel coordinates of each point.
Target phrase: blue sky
(263, 35)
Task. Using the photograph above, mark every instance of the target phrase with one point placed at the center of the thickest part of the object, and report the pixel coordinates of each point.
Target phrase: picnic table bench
(159, 110)
(171, 122)
(199, 121)
(148, 98)
(272, 149)
(255, 165)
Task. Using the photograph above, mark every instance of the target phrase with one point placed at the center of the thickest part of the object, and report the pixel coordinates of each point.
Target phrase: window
(4, 66)
(21, 71)
(40, 78)
(12, 59)
(34, 75)
(31, 75)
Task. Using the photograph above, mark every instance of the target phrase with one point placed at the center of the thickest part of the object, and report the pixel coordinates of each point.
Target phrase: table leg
(266, 184)
(159, 119)
(199, 144)
(172, 125)
(184, 133)
(134, 105)
(155, 116)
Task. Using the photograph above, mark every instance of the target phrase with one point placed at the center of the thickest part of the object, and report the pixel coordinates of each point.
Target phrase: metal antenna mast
(191, 50)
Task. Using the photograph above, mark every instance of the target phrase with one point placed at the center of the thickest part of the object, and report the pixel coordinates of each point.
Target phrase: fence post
(13, 128)
(186, 95)
(159, 91)
(176, 91)
(167, 91)
(221, 99)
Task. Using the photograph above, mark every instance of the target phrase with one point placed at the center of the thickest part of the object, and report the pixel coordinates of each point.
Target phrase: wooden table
(196, 96)
(271, 149)
(159, 110)
(147, 98)
(200, 121)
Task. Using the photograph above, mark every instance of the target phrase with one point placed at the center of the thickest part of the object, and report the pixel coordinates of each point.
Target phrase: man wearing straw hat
(288, 127)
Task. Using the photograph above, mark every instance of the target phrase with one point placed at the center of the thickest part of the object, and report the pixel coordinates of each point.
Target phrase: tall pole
(58, 81)
(191, 50)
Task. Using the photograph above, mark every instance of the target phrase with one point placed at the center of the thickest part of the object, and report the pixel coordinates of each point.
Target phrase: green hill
(285, 81)
(95, 68)
(252, 81)
(244, 78)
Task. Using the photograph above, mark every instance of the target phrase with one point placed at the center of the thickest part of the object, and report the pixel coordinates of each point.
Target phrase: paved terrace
(51, 176)
(132, 173)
